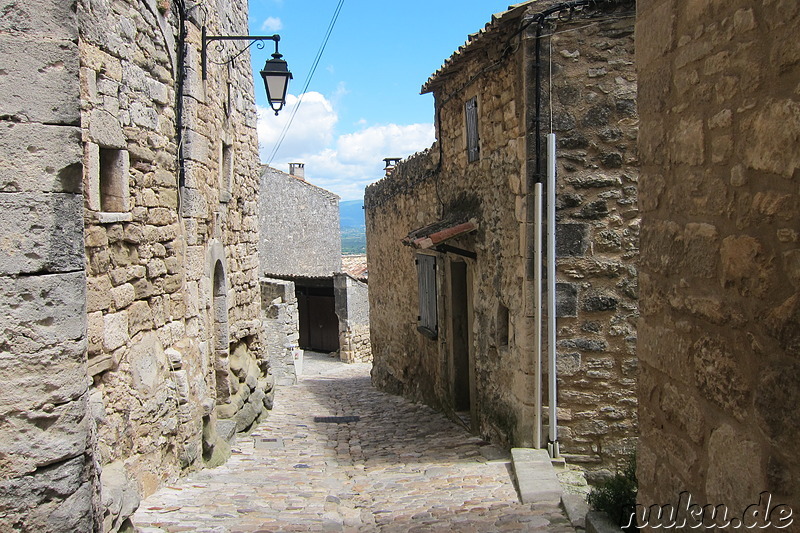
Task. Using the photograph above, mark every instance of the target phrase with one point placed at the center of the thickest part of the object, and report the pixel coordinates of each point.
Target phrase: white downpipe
(551, 291)
(537, 307)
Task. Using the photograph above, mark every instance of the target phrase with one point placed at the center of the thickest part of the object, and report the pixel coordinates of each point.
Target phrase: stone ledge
(536, 477)
(576, 508)
(599, 522)
(113, 217)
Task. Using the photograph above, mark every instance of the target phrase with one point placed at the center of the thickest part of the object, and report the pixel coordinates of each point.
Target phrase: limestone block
(158, 91)
(44, 86)
(98, 293)
(195, 146)
(102, 362)
(226, 429)
(246, 415)
(737, 487)
(47, 310)
(40, 158)
(41, 232)
(105, 130)
(94, 332)
(774, 130)
(120, 495)
(745, 265)
(140, 317)
(123, 295)
(42, 500)
(193, 203)
(38, 18)
(143, 115)
(115, 330)
(172, 283)
(148, 363)
(38, 435)
(155, 268)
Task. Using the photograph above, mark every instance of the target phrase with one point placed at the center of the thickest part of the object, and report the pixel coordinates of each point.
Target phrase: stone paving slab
(402, 467)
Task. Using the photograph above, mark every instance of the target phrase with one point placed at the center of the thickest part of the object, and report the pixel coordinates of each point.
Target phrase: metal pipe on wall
(551, 292)
(537, 307)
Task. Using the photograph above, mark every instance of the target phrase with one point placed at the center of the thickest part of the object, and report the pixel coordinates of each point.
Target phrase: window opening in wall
(113, 180)
(427, 320)
(503, 325)
(226, 172)
(227, 104)
(471, 112)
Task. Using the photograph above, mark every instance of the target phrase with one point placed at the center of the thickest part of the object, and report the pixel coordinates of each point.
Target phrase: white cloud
(311, 130)
(343, 165)
(271, 24)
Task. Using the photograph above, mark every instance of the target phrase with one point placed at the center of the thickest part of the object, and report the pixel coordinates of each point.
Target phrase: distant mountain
(353, 227)
(351, 214)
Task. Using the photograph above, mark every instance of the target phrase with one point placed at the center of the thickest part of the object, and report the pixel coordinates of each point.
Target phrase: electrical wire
(308, 80)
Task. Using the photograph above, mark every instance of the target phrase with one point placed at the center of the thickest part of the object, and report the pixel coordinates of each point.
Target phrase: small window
(113, 176)
(471, 112)
(427, 319)
(226, 173)
(503, 325)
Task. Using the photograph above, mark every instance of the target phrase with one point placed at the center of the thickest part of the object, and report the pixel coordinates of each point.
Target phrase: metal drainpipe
(179, 78)
(553, 445)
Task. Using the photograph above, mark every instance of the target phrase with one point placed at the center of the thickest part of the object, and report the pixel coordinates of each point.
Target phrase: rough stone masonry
(131, 350)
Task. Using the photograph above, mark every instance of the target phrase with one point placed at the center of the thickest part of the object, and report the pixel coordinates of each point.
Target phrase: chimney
(298, 170)
(391, 162)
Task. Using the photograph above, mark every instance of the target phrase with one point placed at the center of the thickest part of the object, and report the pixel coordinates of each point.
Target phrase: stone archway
(221, 334)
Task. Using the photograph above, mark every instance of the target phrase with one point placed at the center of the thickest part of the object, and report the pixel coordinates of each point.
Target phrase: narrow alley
(337, 455)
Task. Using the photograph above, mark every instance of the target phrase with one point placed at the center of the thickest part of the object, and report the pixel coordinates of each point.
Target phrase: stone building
(301, 245)
(450, 233)
(719, 350)
(130, 269)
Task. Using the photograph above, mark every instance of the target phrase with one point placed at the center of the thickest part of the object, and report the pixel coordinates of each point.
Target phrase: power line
(308, 80)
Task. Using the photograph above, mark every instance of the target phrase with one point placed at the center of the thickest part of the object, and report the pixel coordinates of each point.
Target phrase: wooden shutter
(426, 271)
(471, 112)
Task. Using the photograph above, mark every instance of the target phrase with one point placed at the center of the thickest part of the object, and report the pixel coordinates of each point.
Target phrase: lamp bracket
(208, 39)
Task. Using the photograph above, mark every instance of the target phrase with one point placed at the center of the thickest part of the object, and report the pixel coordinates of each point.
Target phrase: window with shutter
(471, 112)
(427, 320)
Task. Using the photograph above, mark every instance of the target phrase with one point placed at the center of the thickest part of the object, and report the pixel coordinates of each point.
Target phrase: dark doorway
(319, 325)
(463, 377)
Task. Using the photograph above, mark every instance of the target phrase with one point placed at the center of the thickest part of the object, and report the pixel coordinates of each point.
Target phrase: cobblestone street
(400, 467)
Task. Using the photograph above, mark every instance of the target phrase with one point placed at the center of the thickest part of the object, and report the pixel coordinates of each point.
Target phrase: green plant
(616, 496)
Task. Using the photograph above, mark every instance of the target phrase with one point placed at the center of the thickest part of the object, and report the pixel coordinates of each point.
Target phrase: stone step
(536, 476)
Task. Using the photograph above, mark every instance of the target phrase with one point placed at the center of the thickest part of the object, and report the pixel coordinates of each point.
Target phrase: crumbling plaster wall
(172, 267)
(49, 477)
(719, 387)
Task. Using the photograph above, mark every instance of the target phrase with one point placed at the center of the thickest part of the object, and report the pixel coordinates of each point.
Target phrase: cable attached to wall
(308, 81)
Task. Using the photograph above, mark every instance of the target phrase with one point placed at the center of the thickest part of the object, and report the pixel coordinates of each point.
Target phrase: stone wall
(49, 481)
(352, 308)
(171, 244)
(720, 282)
(299, 227)
(593, 88)
(594, 117)
(281, 327)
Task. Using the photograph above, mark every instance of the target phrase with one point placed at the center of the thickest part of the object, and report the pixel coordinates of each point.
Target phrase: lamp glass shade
(276, 81)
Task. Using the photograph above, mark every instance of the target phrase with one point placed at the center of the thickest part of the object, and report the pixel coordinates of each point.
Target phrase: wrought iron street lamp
(275, 73)
(276, 79)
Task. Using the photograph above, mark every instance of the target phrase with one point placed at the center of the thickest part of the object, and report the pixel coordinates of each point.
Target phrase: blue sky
(363, 102)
